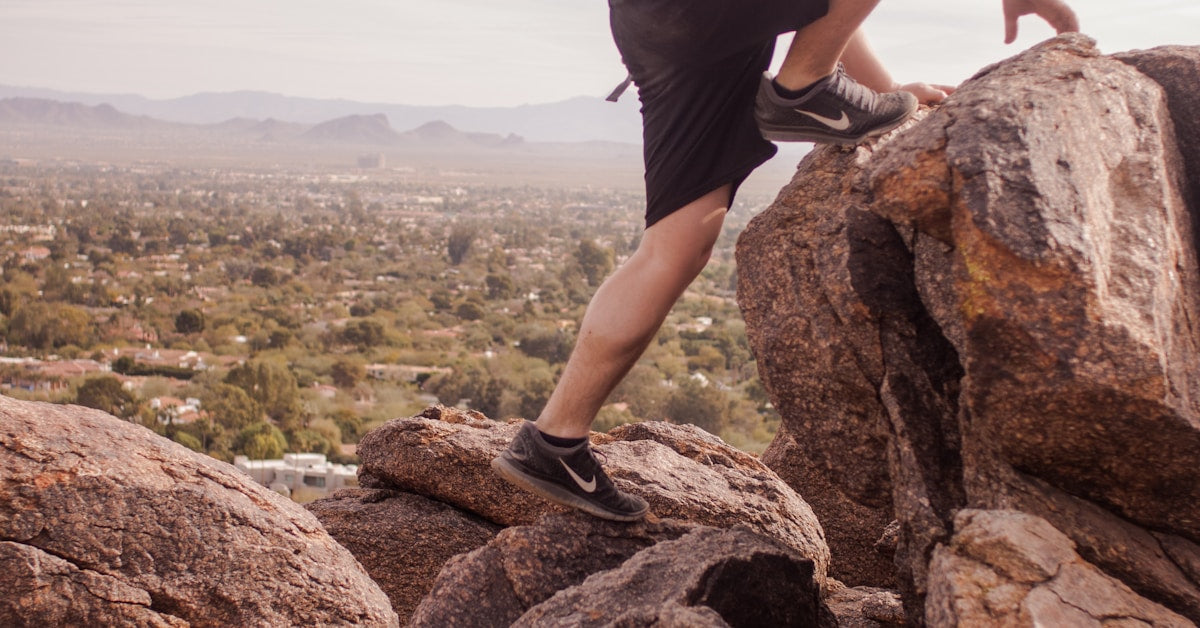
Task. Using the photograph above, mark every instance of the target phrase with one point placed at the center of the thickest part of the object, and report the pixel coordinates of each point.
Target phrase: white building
(303, 477)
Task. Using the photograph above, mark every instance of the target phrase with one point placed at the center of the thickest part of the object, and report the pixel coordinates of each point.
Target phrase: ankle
(559, 441)
(788, 93)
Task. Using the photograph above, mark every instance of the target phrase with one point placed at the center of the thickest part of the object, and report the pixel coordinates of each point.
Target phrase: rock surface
(745, 578)
(683, 472)
(402, 540)
(1005, 568)
(997, 307)
(104, 522)
(525, 565)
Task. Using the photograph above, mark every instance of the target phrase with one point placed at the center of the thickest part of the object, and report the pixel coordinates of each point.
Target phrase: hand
(926, 93)
(1056, 12)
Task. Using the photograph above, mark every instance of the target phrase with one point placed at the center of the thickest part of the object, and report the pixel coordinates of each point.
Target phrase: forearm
(864, 66)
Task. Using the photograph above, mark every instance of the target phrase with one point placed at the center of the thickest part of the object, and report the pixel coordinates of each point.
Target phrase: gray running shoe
(570, 476)
(837, 110)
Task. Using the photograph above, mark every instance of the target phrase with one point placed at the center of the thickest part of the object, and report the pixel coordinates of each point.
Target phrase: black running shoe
(836, 110)
(570, 476)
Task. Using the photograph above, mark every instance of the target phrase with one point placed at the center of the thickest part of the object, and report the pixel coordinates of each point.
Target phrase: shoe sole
(555, 493)
(791, 134)
(785, 134)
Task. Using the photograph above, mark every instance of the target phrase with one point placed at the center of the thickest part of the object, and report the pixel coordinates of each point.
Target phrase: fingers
(1055, 12)
(1012, 11)
(1062, 18)
(927, 94)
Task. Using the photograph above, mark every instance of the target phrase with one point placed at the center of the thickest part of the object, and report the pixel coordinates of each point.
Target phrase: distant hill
(72, 114)
(372, 130)
(440, 132)
(353, 130)
(578, 119)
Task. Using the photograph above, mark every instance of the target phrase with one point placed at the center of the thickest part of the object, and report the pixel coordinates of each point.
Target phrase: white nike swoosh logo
(837, 125)
(588, 487)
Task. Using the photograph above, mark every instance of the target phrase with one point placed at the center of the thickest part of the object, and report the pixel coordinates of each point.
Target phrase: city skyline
(464, 52)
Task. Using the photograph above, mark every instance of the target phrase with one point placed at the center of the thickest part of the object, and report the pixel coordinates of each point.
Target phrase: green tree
(108, 394)
(544, 341)
(594, 260)
(349, 423)
(273, 386)
(347, 372)
(189, 321)
(261, 441)
(311, 441)
(47, 326)
(265, 277)
(230, 406)
(470, 311)
(500, 286)
(459, 242)
(189, 441)
(703, 406)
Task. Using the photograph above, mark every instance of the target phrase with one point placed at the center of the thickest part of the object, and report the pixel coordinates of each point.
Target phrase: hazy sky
(475, 52)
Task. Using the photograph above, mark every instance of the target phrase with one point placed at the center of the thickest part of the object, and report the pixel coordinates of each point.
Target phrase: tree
(189, 321)
(265, 277)
(189, 441)
(261, 441)
(311, 441)
(347, 373)
(594, 260)
(703, 406)
(273, 386)
(542, 341)
(364, 333)
(230, 406)
(470, 311)
(108, 394)
(45, 326)
(458, 244)
(500, 286)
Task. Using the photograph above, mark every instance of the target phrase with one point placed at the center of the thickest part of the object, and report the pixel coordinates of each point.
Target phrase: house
(303, 477)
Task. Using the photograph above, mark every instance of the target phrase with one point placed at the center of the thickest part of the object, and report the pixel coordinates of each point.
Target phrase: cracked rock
(108, 523)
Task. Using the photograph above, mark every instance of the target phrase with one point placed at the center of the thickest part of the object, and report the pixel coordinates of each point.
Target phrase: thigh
(699, 32)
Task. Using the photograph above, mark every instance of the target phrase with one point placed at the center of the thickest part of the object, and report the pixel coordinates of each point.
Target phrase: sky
(467, 52)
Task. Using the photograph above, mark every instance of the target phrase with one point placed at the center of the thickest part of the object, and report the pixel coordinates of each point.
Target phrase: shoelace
(852, 91)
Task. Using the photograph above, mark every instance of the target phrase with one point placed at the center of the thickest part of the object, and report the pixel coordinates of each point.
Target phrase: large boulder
(995, 308)
(401, 539)
(683, 472)
(105, 522)
(525, 565)
(708, 577)
(1006, 568)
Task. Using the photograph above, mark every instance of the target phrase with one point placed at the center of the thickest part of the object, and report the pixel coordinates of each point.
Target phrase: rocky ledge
(996, 310)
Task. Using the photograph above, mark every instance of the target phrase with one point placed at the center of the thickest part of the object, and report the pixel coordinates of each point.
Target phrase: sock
(561, 442)
(792, 94)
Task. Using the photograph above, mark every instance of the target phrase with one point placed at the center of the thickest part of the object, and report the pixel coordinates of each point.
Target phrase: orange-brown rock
(683, 472)
(996, 307)
(106, 523)
(1007, 568)
(401, 539)
(733, 577)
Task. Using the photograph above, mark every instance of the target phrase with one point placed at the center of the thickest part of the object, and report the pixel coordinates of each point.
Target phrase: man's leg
(552, 458)
(627, 310)
(817, 47)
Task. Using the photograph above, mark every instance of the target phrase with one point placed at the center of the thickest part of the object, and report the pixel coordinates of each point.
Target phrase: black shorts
(697, 66)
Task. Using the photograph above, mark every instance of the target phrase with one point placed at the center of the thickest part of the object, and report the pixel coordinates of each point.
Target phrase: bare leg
(816, 49)
(628, 309)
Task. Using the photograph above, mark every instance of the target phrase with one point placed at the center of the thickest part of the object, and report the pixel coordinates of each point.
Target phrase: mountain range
(361, 130)
(578, 119)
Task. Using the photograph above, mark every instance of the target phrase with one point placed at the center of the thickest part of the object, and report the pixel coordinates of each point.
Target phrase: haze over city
(467, 52)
